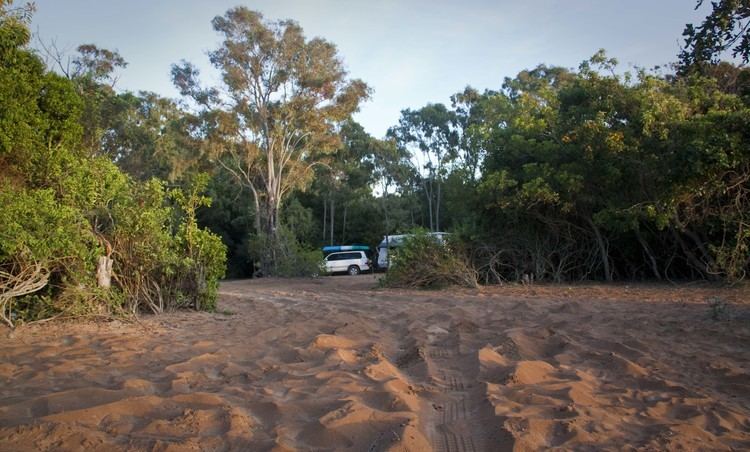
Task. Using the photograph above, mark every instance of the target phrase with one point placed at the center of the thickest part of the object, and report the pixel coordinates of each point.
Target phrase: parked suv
(352, 262)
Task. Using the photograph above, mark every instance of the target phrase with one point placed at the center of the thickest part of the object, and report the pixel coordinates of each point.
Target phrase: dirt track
(335, 364)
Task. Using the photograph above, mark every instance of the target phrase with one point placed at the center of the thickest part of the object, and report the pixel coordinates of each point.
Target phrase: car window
(344, 256)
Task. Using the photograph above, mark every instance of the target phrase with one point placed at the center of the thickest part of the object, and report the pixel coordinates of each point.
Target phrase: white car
(352, 262)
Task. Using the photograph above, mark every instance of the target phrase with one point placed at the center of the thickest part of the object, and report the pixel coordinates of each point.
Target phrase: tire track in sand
(458, 417)
(456, 421)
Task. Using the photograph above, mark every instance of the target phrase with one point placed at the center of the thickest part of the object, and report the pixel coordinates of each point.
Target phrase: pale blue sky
(410, 52)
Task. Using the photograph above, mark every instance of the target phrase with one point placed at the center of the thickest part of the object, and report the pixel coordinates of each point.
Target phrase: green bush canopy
(77, 235)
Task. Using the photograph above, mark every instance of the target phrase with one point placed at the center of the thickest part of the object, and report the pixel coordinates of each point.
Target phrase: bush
(203, 254)
(68, 216)
(38, 238)
(162, 259)
(424, 262)
(289, 258)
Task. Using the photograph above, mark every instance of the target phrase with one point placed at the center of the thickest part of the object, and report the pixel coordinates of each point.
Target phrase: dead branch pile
(426, 263)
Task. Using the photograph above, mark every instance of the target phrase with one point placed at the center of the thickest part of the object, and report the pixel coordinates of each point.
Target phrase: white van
(394, 241)
(351, 262)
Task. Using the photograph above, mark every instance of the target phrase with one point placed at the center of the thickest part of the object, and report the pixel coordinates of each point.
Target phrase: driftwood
(22, 279)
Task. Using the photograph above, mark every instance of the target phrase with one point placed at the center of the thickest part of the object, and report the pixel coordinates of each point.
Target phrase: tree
(274, 117)
(145, 134)
(391, 169)
(93, 72)
(726, 28)
(431, 132)
(468, 106)
(345, 175)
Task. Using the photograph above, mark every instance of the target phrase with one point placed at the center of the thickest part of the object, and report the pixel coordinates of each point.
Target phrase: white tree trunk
(104, 272)
(333, 217)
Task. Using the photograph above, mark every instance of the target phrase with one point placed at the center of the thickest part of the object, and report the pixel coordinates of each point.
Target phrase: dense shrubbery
(424, 262)
(593, 175)
(290, 258)
(162, 259)
(71, 221)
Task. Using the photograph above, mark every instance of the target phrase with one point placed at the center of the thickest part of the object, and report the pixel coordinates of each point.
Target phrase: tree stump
(104, 272)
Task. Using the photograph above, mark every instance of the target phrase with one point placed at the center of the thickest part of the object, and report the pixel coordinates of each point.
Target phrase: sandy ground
(336, 364)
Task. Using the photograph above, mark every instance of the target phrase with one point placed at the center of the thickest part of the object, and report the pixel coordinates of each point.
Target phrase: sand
(336, 364)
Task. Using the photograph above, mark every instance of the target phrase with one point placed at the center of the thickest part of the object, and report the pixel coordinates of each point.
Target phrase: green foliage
(290, 257)
(38, 238)
(299, 220)
(163, 260)
(145, 259)
(35, 227)
(64, 208)
(230, 216)
(628, 172)
(284, 97)
(203, 260)
(725, 28)
(424, 262)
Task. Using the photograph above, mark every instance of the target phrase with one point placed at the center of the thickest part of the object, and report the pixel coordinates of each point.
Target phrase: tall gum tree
(431, 135)
(277, 111)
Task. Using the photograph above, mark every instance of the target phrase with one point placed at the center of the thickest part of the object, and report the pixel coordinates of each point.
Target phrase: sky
(410, 52)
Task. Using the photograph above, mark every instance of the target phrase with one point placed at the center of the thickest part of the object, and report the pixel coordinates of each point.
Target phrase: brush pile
(425, 262)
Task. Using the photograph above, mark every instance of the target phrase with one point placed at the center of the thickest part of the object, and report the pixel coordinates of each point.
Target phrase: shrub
(422, 261)
(63, 210)
(38, 238)
(289, 258)
(163, 260)
(203, 260)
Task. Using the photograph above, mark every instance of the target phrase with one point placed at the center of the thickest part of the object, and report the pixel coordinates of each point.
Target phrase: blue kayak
(333, 249)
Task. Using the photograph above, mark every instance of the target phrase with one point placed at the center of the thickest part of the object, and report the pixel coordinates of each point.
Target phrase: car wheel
(353, 270)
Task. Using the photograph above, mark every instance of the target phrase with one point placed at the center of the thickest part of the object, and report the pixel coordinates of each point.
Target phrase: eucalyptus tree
(391, 170)
(469, 106)
(274, 115)
(346, 179)
(431, 135)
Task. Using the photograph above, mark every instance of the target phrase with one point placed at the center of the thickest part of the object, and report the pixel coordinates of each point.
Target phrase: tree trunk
(343, 230)
(697, 264)
(387, 228)
(272, 218)
(428, 195)
(273, 236)
(333, 218)
(647, 250)
(325, 218)
(258, 213)
(104, 272)
(270, 235)
(277, 216)
(437, 207)
(602, 250)
(387, 241)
